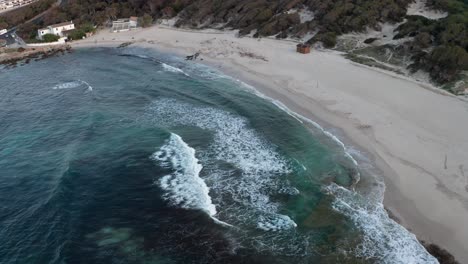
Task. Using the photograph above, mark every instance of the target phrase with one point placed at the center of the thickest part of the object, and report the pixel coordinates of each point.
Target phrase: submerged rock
(370, 40)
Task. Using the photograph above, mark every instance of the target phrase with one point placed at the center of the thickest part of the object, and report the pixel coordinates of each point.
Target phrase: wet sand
(415, 134)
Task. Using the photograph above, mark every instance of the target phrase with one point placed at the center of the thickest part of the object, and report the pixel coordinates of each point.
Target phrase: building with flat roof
(6, 5)
(61, 29)
(124, 24)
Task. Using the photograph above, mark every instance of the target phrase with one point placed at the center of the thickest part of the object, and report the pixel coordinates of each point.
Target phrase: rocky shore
(10, 57)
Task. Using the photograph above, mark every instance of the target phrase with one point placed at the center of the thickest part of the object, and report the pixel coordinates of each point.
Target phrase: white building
(10, 4)
(124, 24)
(60, 30)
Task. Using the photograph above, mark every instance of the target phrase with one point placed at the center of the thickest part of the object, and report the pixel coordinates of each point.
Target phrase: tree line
(437, 46)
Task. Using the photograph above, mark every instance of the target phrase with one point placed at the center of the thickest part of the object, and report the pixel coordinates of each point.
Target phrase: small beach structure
(124, 24)
(303, 48)
(61, 30)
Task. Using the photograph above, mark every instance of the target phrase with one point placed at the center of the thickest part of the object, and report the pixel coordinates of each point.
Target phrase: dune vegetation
(438, 47)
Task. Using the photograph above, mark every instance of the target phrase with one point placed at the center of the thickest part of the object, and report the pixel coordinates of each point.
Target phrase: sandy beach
(415, 135)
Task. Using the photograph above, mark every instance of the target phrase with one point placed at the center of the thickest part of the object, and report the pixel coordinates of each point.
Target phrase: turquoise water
(133, 156)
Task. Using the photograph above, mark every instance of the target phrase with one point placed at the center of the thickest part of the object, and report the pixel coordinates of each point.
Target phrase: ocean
(136, 156)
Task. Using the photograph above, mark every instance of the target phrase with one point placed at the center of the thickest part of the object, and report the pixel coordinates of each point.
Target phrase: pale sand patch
(418, 8)
(408, 128)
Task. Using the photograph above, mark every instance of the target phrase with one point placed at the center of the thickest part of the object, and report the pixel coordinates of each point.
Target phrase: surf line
(90, 88)
(184, 187)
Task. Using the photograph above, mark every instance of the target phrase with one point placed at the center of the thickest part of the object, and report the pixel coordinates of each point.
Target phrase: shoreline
(419, 192)
(10, 57)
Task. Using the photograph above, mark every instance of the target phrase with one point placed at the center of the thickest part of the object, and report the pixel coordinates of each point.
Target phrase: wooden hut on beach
(303, 48)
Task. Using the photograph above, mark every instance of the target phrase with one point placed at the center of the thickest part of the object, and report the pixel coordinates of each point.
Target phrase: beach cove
(415, 134)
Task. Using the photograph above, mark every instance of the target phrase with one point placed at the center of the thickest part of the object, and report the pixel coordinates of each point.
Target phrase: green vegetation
(437, 46)
(449, 36)
(342, 16)
(145, 21)
(370, 62)
(328, 39)
(80, 32)
(50, 38)
(76, 34)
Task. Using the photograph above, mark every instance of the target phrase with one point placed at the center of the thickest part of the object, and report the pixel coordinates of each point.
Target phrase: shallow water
(132, 156)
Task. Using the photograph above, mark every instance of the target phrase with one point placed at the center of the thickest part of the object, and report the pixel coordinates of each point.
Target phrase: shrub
(450, 57)
(50, 38)
(87, 27)
(328, 39)
(76, 34)
(423, 40)
(264, 15)
(145, 21)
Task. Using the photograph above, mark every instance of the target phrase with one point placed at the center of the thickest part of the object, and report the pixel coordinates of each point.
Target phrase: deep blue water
(133, 156)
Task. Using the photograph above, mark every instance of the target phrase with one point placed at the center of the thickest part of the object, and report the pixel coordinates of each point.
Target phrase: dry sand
(415, 134)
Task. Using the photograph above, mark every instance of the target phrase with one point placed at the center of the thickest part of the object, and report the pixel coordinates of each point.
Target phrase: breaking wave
(276, 223)
(258, 165)
(170, 68)
(73, 84)
(165, 66)
(183, 187)
(243, 195)
(383, 239)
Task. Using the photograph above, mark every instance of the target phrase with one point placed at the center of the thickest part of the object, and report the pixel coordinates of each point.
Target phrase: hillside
(436, 46)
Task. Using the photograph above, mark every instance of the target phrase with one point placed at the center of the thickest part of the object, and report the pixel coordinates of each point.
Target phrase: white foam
(184, 187)
(90, 88)
(234, 142)
(170, 68)
(73, 84)
(300, 118)
(419, 8)
(275, 222)
(166, 67)
(383, 239)
(142, 56)
(67, 85)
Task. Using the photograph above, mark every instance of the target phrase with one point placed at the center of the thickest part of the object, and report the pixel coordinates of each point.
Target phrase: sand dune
(416, 135)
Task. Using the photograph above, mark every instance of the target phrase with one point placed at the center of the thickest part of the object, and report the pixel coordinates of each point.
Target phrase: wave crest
(183, 187)
(72, 84)
(170, 68)
(383, 238)
(243, 193)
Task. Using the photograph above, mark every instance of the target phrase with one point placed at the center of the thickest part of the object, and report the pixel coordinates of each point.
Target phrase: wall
(59, 42)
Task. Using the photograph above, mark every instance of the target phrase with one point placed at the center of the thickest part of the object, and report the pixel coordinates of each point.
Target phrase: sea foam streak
(384, 239)
(184, 187)
(170, 68)
(72, 84)
(209, 73)
(237, 144)
(166, 67)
